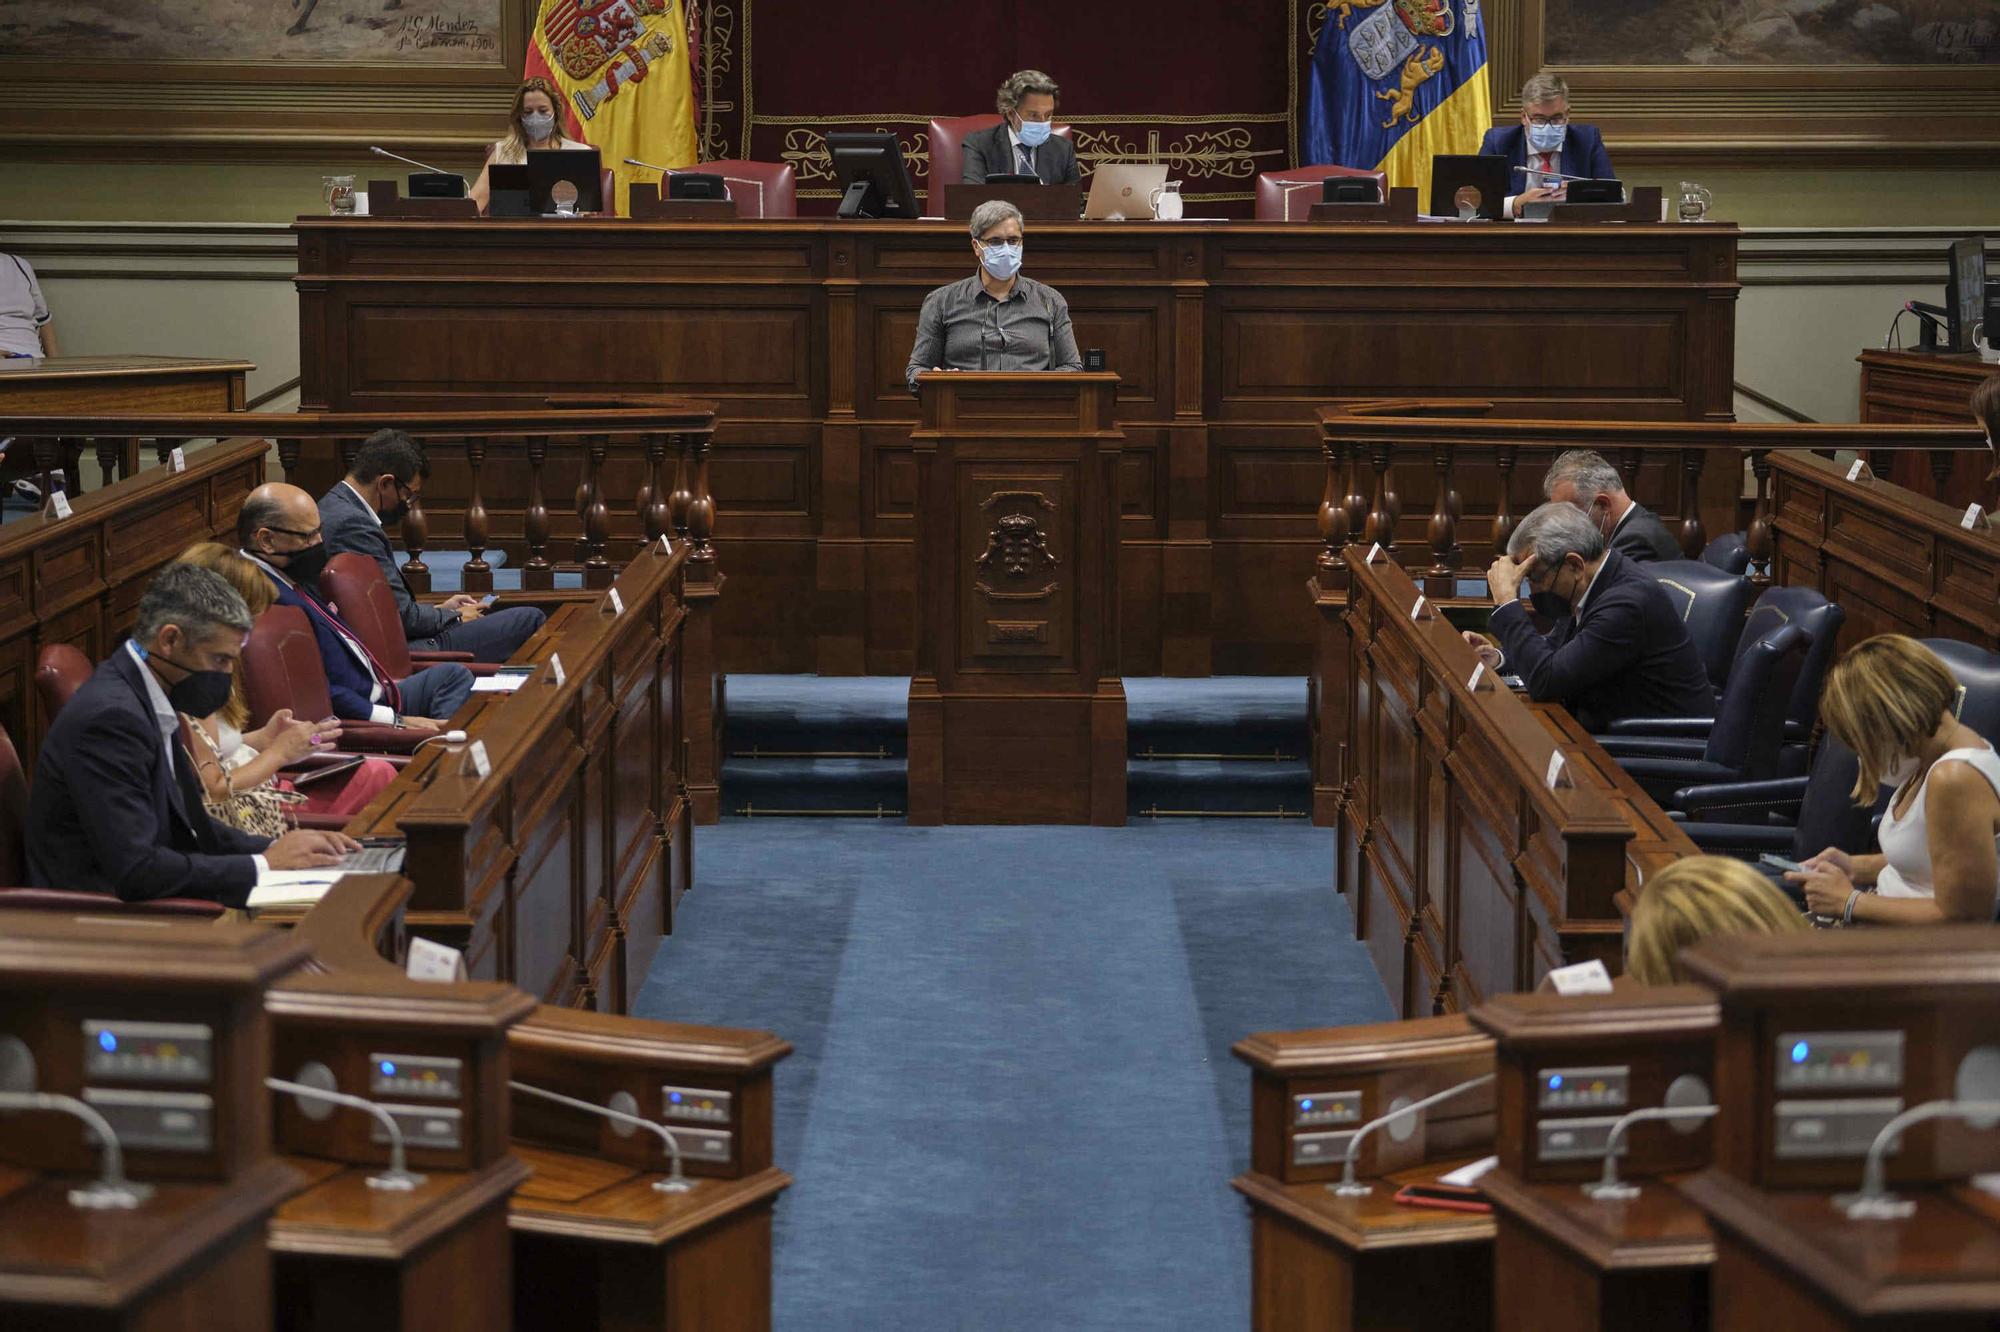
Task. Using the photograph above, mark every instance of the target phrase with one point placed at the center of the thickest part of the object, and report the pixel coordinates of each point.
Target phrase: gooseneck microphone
(411, 161)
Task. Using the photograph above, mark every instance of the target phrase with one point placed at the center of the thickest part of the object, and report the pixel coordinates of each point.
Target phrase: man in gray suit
(389, 471)
(1583, 478)
(1024, 143)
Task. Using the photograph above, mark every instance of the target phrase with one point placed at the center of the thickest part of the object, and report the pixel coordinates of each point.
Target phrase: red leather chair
(1279, 198)
(353, 584)
(761, 189)
(282, 669)
(948, 151)
(60, 670)
(15, 896)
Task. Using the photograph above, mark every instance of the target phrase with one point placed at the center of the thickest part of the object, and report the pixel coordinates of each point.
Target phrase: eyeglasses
(999, 240)
(1544, 122)
(293, 532)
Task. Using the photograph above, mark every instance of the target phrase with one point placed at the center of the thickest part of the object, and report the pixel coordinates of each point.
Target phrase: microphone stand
(675, 1182)
(1873, 1202)
(411, 161)
(1608, 1188)
(397, 1178)
(1350, 1187)
(757, 185)
(110, 1190)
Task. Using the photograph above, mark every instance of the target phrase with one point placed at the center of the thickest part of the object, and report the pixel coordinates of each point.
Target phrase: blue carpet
(448, 571)
(1012, 1103)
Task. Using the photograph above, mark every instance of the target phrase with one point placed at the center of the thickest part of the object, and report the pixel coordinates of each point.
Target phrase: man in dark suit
(1583, 478)
(1547, 145)
(1024, 142)
(389, 471)
(1617, 648)
(116, 806)
(279, 528)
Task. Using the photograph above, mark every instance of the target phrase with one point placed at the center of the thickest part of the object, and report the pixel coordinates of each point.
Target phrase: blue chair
(1743, 741)
(1712, 604)
(1729, 553)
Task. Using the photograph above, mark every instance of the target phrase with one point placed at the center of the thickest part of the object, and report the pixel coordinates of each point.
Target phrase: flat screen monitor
(869, 166)
(1468, 183)
(434, 185)
(507, 191)
(696, 185)
(1610, 191)
(1965, 294)
(552, 169)
(1351, 189)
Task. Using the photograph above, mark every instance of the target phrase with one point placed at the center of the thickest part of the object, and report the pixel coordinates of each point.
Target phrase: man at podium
(996, 319)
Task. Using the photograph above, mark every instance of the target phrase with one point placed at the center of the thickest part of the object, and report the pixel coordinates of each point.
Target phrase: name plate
(556, 668)
(1583, 978)
(59, 504)
(482, 766)
(1478, 677)
(1860, 472)
(1975, 519)
(429, 961)
(177, 460)
(1422, 610)
(1558, 773)
(1374, 553)
(617, 603)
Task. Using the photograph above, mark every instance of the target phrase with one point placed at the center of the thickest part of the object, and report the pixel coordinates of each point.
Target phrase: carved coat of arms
(1018, 546)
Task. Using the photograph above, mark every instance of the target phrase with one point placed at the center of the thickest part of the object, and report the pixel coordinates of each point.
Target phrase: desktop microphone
(411, 161)
(397, 1178)
(442, 737)
(111, 1190)
(1550, 175)
(1349, 1187)
(1608, 1187)
(758, 185)
(675, 1182)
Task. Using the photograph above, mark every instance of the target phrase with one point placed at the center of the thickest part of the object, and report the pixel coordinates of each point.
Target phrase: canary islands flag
(627, 79)
(1396, 81)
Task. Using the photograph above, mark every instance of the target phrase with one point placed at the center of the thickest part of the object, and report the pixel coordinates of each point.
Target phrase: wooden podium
(1017, 711)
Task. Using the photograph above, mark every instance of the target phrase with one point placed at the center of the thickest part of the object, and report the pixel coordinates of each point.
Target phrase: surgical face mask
(538, 125)
(1001, 258)
(1547, 138)
(1035, 133)
(199, 693)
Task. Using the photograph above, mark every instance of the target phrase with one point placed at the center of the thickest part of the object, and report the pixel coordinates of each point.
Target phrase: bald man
(278, 527)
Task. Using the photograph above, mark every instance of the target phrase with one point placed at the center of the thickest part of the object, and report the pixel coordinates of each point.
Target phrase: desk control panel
(695, 1105)
(1312, 1149)
(711, 1146)
(1600, 1087)
(1825, 1130)
(422, 1077)
(179, 1054)
(161, 1120)
(1839, 1061)
(1319, 1109)
(428, 1126)
(1581, 1139)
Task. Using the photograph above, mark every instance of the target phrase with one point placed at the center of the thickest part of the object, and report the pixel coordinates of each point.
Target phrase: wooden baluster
(1941, 476)
(1628, 469)
(72, 465)
(1392, 497)
(47, 452)
(682, 498)
(1503, 513)
(701, 510)
(416, 534)
(163, 449)
(597, 570)
(1441, 579)
(1381, 522)
(1694, 535)
(111, 457)
(478, 573)
(537, 574)
(288, 454)
(1882, 462)
(654, 516)
(347, 447)
(1333, 514)
(1757, 537)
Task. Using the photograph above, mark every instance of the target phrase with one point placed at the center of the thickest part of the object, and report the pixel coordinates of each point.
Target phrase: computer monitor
(434, 185)
(1964, 300)
(1606, 191)
(696, 185)
(507, 191)
(550, 168)
(869, 166)
(1474, 182)
(1351, 189)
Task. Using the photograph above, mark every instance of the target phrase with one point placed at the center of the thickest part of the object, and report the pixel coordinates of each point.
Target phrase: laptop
(551, 169)
(507, 192)
(1123, 191)
(1474, 179)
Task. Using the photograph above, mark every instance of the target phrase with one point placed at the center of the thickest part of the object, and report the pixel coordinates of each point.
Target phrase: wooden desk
(1468, 877)
(560, 870)
(1227, 337)
(99, 385)
(1910, 388)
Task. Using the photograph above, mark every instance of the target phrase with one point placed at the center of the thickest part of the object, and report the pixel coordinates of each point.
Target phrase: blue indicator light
(1305, 1105)
(675, 1097)
(1799, 1052)
(1555, 1082)
(106, 1042)
(388, 1069)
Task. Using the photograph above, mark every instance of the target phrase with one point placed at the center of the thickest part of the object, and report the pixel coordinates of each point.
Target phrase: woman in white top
(532, 123)
(1894, 703)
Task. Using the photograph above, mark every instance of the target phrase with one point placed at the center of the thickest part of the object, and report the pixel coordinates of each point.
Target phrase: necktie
(390, 694)
(1027, 159)
(1547, 165)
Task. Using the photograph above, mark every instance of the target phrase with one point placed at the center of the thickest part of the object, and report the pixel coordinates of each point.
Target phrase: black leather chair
(1712, 604)
(1742, 744)
(1729, 553)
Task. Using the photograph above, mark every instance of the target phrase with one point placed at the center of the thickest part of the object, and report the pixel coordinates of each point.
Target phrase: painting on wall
(402, 32)
(1825, 33)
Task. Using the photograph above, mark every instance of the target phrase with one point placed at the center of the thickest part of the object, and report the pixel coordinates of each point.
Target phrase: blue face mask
(1547, 138)
(1035, 133)
(1001, 260)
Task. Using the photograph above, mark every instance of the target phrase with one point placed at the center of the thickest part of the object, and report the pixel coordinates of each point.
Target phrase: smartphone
(489, 598)
(311, 775)
(1780, 862)
(1514, 682)
(1443, 1196)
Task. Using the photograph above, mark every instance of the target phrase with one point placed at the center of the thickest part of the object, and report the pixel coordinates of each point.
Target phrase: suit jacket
(1582, 154)
(351, 675)
(349, 525)
(1627, 655)
(107, 813)
(991, 153)
(1642, 537)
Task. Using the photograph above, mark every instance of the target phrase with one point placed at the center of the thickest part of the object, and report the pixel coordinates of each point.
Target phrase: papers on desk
(497, 684)
(283, 888)
(1467, 1175)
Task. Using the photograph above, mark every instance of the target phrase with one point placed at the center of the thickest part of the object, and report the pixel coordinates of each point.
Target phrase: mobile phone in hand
(1780, 862)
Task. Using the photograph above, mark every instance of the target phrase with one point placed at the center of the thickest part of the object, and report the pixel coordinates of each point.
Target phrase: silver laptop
(1123, 191)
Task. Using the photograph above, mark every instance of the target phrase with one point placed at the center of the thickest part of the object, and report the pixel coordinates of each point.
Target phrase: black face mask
(199, 693)
(396, 514)
(303, 566)
(1547, 604)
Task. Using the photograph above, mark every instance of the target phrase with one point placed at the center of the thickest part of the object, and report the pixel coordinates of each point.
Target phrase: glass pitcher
(1166, 202)
(338, 191)
(1695, 202)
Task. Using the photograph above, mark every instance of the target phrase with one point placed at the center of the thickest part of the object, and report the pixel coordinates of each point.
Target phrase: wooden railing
(619, 456)
(1380, 456)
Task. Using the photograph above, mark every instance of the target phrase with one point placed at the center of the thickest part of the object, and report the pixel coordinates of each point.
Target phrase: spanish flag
(1395, 82)
(626, 73)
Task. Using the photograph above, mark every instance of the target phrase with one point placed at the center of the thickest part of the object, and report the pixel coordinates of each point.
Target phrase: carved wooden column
(1693, 535)
(1504, 457)
(1441, 579)
(537, 575)
(654, 519)
(478, 578)
(701, 664)
(1333, 527)
(110, 457)
(1757, 537)
(1382, 517)
(597, 571)
(416, 534)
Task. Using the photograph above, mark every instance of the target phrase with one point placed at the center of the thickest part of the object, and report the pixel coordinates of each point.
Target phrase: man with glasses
(1547, 145)
(279, 528)
(389, 471)
(996, 319)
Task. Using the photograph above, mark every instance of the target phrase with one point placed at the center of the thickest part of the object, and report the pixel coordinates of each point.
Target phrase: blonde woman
(1893, 702)
(239, 770)
(534, 121)
(1694, 899)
